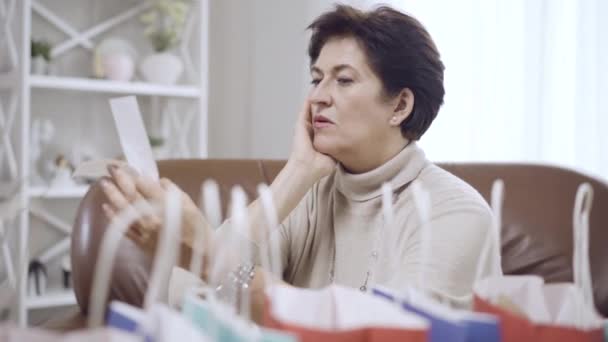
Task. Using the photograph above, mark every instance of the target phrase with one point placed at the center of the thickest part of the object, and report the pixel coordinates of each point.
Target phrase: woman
(377, 84)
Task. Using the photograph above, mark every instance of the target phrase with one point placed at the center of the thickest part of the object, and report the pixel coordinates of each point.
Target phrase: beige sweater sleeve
(448, 262)
(299, 220)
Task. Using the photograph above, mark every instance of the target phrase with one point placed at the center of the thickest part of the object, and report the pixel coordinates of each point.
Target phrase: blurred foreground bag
(337, 313)
(531, 310)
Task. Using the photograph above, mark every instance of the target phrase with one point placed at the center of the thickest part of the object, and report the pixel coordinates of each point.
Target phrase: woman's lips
(321, 122)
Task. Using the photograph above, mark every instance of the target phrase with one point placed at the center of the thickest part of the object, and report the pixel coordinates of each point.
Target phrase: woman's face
(350, 115)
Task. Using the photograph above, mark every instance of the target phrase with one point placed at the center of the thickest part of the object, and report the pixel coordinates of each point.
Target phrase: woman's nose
(319, 95)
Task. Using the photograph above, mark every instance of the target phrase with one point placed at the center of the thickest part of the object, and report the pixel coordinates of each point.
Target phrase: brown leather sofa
(536, 235)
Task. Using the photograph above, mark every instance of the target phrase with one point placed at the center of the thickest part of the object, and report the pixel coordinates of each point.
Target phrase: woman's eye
(344, 81)
(315, 81)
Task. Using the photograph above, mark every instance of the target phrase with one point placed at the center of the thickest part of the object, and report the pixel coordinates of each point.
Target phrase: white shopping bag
(529, 309)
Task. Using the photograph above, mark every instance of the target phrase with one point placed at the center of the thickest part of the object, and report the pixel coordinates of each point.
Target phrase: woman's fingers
(305, 113)
(134, 236)
(149, 188)
(108, 211)
(128, 188)
(138, 237)
(165, 183)
(116, 199)
(143, 238)
(149, 223)
(124, 181)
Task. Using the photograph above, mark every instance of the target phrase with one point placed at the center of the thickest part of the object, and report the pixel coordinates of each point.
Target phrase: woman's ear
(404, 107)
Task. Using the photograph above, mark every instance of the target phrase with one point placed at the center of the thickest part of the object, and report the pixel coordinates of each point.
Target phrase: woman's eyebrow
(336, 69)
(315, 69)
(341, 67)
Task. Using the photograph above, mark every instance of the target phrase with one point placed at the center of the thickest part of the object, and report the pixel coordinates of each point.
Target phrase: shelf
(113, 87)
(52, 299)
(7, 79)
(65, 192)
(9, 189)
(52, 206)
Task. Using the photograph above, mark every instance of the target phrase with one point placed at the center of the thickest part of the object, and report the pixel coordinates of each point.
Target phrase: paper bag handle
(238, 200)
(422, 202)
(580, 223)
(497, 202)
(110, 242)
(211, 203)
(235, 230)
(166, 256)
(210, 199)
(493, 237)
(270, 257)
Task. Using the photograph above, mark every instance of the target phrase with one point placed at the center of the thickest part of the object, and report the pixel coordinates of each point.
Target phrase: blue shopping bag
(447, 324)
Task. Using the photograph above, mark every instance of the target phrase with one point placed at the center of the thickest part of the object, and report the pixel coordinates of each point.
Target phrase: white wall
(229, 74)
(518, 110)
(258, 69)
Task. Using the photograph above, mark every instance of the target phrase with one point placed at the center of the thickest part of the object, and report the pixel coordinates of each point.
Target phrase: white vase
(118, 67)
(163, 68)
(39, 65)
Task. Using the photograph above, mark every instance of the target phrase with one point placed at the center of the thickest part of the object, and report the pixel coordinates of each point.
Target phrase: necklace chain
(373, 257)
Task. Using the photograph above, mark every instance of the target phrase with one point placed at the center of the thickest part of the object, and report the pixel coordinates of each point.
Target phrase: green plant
(165, 23)
(156, 141)
(41, 48)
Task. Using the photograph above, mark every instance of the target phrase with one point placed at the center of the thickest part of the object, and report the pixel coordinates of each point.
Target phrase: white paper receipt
(94, 169)
(133, 136)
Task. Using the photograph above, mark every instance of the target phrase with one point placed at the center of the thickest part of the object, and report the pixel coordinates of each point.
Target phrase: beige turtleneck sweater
(335, 226)
(342, 214)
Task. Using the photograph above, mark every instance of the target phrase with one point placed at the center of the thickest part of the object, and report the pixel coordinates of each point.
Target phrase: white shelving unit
(112, 87)
(63, 192)
(53, 298)
(20, 84)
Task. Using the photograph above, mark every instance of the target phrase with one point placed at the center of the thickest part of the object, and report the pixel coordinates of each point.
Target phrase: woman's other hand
(124, 188)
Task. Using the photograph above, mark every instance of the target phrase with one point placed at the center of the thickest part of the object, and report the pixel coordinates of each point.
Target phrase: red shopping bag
(516, 327)
(337, 313)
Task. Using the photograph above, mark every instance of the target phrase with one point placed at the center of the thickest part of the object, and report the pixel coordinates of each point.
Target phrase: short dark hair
(399, 50)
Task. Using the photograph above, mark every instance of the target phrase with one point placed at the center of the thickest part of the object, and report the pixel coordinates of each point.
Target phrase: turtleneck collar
(400, 170)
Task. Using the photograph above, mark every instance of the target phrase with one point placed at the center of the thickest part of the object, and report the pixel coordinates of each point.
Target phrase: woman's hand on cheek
(303, 153)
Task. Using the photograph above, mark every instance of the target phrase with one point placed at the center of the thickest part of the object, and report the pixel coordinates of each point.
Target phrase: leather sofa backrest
(536, 233)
